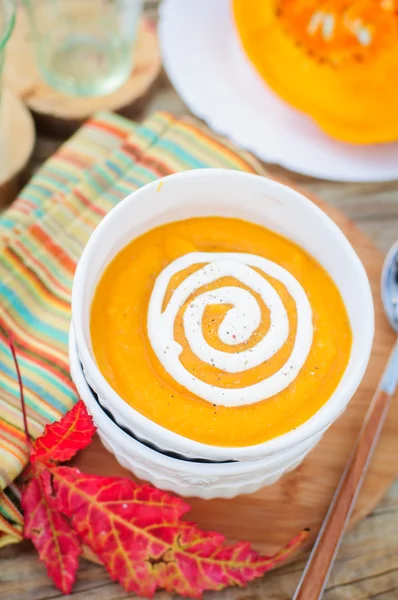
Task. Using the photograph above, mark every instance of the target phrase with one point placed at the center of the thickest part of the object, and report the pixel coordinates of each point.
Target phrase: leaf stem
(21, 392)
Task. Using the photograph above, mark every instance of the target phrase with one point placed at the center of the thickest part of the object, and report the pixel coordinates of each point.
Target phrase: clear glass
(7, 20)
(84, 47)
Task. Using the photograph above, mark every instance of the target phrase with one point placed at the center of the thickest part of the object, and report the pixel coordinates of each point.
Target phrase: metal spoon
(389, 286)
(320, 562)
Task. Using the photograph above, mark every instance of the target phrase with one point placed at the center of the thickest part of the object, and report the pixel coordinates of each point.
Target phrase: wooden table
(367, 564)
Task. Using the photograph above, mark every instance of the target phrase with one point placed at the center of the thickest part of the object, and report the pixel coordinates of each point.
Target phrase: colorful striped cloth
(42, 237)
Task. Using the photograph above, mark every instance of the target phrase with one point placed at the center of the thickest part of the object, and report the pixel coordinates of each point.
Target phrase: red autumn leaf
(54, 539)
(200, 561)
(137, 533)
(61, 440)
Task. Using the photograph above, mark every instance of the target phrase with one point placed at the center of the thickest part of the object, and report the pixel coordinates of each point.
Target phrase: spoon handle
(320, 562)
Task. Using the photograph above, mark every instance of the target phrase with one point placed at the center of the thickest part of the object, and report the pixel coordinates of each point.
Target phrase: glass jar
(84, 47)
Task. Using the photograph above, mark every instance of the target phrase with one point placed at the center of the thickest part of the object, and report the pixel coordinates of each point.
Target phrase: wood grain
(320, 563)
(366, 569)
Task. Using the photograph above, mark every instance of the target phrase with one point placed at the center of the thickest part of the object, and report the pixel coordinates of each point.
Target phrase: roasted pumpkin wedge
(335, 60)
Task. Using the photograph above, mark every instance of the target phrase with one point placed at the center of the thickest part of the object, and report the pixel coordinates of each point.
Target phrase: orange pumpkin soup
(220, 330)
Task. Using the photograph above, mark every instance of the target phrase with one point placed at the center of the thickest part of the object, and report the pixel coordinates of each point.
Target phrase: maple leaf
(136, 531)
(57, 544)
(114, 517)
(62, 439)
(200, 561)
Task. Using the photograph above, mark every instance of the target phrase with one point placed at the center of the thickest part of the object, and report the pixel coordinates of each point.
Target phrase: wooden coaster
(17, 138)
(22, 77)
(273, 515)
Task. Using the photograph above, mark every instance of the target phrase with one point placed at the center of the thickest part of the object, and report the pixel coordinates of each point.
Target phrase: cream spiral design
(238, 325)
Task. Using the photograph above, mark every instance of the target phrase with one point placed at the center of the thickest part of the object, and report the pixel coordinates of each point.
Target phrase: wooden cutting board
(271, 516)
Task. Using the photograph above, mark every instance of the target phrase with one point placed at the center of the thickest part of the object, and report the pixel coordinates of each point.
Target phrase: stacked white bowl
(171, 461)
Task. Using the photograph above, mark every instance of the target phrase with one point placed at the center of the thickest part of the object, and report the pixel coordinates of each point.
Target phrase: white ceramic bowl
(184, 477)
(233, 194)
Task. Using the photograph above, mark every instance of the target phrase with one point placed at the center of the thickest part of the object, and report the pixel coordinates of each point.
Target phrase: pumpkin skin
(335, 60)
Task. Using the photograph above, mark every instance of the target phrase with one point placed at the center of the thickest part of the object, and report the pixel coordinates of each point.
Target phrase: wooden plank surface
(367, 564)
(366, 569)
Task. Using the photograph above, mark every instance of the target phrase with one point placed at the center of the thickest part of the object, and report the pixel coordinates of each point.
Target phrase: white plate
(204, 60)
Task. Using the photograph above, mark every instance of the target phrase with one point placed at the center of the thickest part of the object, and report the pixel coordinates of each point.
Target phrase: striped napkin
(41, 238)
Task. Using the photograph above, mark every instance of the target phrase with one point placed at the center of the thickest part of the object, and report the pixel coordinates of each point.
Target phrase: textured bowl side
(186, 478)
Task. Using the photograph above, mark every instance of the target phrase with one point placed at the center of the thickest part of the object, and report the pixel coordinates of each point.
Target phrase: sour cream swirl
(237, 327)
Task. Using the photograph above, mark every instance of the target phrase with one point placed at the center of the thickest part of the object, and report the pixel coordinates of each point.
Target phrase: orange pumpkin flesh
(337, 61)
